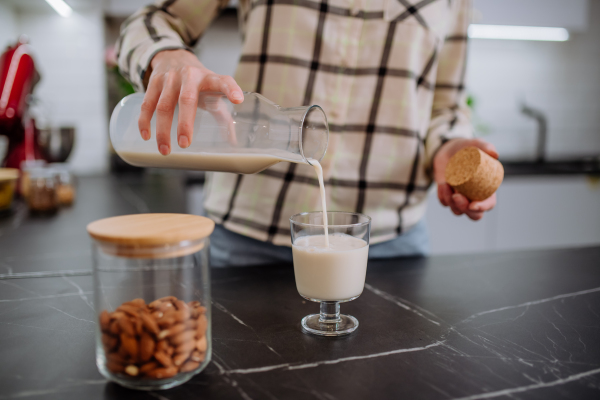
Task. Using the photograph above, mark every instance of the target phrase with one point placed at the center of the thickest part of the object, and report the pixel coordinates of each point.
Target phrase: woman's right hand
(178, 77)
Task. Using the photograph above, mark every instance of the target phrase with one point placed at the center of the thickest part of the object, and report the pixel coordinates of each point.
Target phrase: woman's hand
(456, 201)
(178, 77)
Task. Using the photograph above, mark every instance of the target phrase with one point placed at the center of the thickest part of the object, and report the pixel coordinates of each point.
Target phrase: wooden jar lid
(139, 235)
(474, 173)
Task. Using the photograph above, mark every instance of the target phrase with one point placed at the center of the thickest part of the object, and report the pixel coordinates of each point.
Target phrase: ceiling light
(61, 7)
(510, 32)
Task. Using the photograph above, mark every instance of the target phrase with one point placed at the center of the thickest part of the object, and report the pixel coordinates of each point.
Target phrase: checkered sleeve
(165, 25)
(450, 115)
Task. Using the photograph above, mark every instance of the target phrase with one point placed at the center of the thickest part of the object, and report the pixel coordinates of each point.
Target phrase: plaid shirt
(388, 73)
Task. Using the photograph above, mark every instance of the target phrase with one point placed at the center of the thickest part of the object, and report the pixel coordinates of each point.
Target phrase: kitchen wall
(559, 78)
(69, 55)
(8, 29)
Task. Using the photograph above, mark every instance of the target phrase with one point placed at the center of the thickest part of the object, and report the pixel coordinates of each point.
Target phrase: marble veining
(516, 325)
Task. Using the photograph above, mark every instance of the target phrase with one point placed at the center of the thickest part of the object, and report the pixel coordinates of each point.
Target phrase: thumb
(486, 147)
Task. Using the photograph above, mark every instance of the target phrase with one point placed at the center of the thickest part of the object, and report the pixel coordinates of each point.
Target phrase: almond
(130, 345)
(170, 350)
(182, 315)
(197, 356)
(168, 298)
(182, 337)
(165, 306)
(191, 324)
(162, 345)
(189, 366)
(132, 370)
(172, 331)
(163, 358)
(202, 326)
(115, 329)
(180, 305)
(137, 323)
(155, 304)
(147, 347)
(117, 315)
(136, 303)
(166, 321)
(148, 367)
(104, 321)
(149, 323)
(109, 342)
(116, 358)
(123, 353)
(202, 344)
(194, 303)
(186, 347)
(197, 311)
(180, 358)
(157, 315)
(162, 373)
(128, 309)
(126, 326)
(114, 367)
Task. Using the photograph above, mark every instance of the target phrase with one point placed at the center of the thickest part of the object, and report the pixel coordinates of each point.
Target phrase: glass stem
(330, 312)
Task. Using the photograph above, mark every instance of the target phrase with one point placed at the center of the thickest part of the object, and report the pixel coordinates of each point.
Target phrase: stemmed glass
(331, 275)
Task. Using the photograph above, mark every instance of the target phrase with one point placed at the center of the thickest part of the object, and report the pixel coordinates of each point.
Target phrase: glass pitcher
(241, 138)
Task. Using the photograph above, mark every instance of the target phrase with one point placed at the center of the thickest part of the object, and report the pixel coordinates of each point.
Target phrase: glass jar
(26, 167)
(65, 190)
(152, 298)
(243, 138)
(42, 197)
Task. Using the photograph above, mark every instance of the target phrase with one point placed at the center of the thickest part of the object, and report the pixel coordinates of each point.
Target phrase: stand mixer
(18, 77)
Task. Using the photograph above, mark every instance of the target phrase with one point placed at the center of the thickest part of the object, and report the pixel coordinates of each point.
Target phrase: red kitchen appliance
(18, 76)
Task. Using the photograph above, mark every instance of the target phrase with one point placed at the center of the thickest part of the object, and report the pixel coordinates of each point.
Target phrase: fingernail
(183, 142)
(475, 208)
(164, 149)
(237, 96)
(145, 135)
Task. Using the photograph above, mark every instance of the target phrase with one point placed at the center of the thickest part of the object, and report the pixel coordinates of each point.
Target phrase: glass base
(345, 325)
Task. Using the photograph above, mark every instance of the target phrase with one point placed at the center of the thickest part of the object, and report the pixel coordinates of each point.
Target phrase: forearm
(166, 25)
(450, 116)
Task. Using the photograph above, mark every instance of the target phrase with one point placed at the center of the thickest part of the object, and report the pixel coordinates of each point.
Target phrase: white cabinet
(532, 212)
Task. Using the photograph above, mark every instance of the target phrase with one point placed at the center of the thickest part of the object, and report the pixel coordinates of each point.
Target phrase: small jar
(27, 166)
(42, 197)
(65, 191)
(152, 298)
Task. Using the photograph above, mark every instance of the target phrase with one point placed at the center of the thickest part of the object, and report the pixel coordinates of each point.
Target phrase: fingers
(164, 113)
(148, 106)
(484, 205)
(225, 84)
(188, 104)
(445, 194)
(485, 146)
(460, 205)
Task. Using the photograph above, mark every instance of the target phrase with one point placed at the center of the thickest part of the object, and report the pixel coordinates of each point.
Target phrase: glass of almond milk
(330, 269)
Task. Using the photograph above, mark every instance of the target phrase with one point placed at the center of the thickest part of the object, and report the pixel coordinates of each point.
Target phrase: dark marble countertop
(522, 325)
(584, 166)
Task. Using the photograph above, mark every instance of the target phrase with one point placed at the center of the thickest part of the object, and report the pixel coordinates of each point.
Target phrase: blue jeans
(228, 248)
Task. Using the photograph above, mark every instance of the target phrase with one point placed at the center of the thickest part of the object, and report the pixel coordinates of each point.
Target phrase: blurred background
(533, 93)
